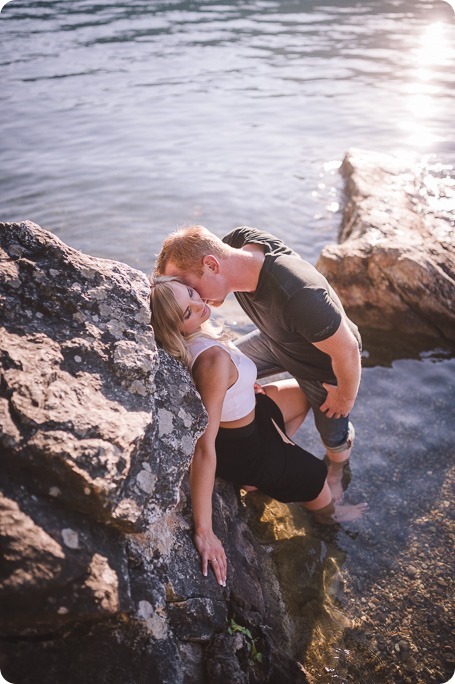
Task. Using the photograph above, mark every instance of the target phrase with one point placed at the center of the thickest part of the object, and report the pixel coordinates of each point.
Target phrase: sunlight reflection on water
(434, 56)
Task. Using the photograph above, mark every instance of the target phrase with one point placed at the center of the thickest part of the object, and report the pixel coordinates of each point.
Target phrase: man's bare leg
(337, 461)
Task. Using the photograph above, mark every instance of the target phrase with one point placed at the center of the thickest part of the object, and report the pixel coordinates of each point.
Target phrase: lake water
(121, 121)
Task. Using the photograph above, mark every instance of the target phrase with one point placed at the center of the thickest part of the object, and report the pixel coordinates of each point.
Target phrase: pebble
(70, 538)
(412, 571)
(410, 663)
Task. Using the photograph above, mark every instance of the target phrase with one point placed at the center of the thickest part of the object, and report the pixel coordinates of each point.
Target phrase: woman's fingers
(212, 553)
(219, 569)
(216, 558)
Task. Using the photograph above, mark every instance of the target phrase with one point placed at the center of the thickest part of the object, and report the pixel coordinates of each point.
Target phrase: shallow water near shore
(394, 587)
(126, 121)
(383, 609)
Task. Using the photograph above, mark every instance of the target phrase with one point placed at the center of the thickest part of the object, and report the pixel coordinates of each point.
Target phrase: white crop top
(240, 398)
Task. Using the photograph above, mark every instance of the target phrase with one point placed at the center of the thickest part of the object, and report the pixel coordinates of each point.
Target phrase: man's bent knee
(345, 444)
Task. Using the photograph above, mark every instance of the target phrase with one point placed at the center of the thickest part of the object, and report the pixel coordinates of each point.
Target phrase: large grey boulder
(394, 268)
(78, 402)
(99, 578)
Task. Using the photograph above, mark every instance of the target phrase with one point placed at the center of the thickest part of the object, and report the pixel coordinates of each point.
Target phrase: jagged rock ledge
(99, 578)
(394, 268)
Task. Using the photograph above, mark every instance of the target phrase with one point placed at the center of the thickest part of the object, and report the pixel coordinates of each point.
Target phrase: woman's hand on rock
(212, 552)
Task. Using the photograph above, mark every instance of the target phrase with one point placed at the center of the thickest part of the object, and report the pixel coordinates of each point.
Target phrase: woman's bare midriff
(240, 422)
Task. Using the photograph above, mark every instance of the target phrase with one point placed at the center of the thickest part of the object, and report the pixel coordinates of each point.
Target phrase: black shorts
(257, 455)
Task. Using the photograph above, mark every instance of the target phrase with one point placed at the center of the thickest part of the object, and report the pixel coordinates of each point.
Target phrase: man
(302, 327)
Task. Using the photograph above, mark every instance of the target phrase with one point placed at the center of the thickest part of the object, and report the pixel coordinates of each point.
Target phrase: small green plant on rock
(250, 643)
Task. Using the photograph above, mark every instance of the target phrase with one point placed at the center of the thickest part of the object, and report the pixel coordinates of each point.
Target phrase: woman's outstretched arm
(212, 375)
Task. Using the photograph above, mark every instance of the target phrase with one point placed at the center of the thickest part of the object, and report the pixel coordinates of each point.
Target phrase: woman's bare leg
(327, 512)
(292, 402)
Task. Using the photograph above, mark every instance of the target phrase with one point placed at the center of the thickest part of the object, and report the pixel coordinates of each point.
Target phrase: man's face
(210, 285)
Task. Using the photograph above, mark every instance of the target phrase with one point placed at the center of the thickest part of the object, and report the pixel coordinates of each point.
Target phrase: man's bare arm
(343, 349)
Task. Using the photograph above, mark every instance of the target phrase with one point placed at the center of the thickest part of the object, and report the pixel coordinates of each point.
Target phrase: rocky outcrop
(99, 579)
(394, 268)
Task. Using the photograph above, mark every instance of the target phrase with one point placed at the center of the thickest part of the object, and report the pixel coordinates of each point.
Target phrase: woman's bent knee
(323, 499)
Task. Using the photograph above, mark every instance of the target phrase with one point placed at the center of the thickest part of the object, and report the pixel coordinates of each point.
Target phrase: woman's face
(194, 310)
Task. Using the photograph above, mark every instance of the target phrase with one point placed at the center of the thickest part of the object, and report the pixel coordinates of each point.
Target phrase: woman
(247, 437)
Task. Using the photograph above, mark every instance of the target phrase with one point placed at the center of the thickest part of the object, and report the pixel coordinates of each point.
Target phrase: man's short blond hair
(187, 247)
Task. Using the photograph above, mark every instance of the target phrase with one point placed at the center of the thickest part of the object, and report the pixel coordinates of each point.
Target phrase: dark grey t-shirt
(293, 305)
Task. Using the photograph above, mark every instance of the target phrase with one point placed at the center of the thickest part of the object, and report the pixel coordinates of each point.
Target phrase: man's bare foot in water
(346, 512)
(339, 513)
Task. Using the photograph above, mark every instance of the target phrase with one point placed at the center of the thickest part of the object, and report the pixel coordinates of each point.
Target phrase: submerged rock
(394, 268)
(99, 578)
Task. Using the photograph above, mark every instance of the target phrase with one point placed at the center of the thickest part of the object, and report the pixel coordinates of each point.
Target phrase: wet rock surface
(394, 268)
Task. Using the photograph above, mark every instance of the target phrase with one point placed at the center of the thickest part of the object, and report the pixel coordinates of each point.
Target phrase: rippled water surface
(121, 121)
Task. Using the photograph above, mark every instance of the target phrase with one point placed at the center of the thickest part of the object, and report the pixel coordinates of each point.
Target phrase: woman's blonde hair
(167, 320)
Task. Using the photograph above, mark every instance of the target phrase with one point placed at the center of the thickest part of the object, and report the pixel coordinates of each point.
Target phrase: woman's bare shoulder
(212, 355)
